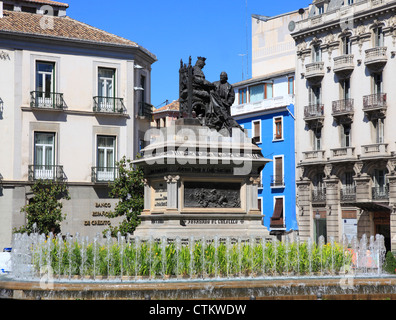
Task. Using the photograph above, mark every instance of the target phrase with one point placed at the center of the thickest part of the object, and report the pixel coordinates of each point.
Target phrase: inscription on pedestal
(212, 195)
(160, 195)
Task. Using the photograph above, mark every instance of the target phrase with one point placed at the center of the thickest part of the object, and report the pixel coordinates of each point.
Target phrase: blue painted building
(265, 108)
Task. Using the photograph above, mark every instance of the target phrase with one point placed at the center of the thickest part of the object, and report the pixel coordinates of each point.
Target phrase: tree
(390, 263)
(44, 210)
(129, 188)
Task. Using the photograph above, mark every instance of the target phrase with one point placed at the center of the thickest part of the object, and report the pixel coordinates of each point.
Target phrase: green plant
(390, 263)
(44, 210)
(129, 188)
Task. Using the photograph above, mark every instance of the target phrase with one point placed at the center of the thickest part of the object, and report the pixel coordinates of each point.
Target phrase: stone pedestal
(199, 182)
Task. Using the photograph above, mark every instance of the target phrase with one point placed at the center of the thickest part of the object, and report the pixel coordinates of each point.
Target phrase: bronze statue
(208, 102)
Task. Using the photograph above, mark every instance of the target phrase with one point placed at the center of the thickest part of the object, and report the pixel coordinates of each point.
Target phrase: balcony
(46, 172)
(375, 105)
(318, 195)
(343, 111)
(145, 111)
(344, 65)
(376, 58)
(312, 156)
(348, 193)
(343, 153)
(314, 115)
(380, 193)
(104, 174)
(375, 150)
(267, 104)
(109, 105)
(277, 182)
(314, 72)
(47, 100)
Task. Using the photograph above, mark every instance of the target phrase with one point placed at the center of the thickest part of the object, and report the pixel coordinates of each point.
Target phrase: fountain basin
(282, 288)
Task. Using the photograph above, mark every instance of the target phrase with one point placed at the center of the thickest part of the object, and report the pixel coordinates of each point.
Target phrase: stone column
(173, 190)
(363, 193)
(305, 220)
(252, 195)
(333, 217)
(392, 204)
(147, 198)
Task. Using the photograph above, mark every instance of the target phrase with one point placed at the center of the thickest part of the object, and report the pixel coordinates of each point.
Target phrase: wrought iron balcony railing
(145, 110)
(319, 195)
(109, 105)
(314, 111)
(104, 174)
(380, 192)
(374, 101)
(277, 181)
(348, 193)
(343, 106)
(47, 100)
(46, 172)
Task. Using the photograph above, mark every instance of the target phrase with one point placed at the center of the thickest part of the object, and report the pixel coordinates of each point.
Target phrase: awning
(277, 216)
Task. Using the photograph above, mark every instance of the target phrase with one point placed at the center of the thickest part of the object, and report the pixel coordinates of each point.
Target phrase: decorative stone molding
(255, 180)
(391, 166)
(172, 179)
(358, 168)
(328, 168)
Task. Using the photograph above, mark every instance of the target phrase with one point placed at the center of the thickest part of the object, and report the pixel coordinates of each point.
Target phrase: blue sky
(219, 30)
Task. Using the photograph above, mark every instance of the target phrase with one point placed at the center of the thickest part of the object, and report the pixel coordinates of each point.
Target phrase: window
(346, 89)
(315, 95)
(290, 82)
(242, 95)
(260, 204)
(45, 82)
(346, 135)
(380, 184)
(379, 130)
(320, 9)
(106, 89)
(378, 37)
(278, 172)
(44, 155)
(269, 91)
(317, 139)
(106, 158)
(278, 128)
(316, 54)
(256, 131)
(346, 45)
(256, 93)
(277, 220)
(377, 83)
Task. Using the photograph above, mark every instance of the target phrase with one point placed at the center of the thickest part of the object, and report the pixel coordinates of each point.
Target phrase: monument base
(222, 225)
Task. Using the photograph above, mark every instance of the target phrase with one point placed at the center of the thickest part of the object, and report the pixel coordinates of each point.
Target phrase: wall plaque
(160, 195)
(212, 195)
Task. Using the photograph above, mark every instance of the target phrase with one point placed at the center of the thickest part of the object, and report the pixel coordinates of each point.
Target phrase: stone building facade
(345, 110)
(74, 100)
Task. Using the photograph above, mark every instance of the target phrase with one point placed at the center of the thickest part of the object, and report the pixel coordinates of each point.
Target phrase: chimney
(1, 9)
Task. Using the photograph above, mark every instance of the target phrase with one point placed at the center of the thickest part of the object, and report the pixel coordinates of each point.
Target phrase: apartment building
(345, 110)
(264, 106)
(74, 100)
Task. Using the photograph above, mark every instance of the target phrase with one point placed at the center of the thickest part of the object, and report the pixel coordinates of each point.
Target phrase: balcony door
(45, 84)
(106, 89)
(380, 185)
(106, 158)
(44, 156)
